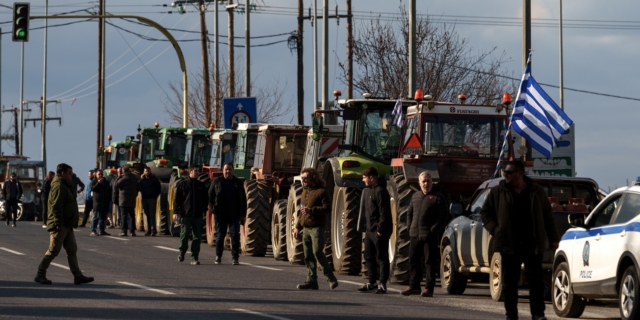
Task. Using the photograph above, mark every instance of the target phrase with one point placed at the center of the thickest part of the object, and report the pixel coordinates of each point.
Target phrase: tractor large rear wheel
(254, 235)
(163, 220)
(401, 193)
(279, 230)
(295, 252)
(346, 241)
(210, 226)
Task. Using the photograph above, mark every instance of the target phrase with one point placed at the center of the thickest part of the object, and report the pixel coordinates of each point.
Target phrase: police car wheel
(629, 290)
(565, 303)
(495, 278)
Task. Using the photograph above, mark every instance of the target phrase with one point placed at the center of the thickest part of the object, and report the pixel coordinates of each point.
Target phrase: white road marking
(359, 284)
(11, 251)
(167, 248)
(261, 267)
(260, 314)
(60, 265)
(144, 287)
(112, 237)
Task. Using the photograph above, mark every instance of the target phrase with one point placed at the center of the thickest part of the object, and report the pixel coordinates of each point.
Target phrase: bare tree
(270, 99)
(446, 65)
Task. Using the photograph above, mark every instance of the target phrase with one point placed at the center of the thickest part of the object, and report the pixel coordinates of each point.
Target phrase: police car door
(473, 231)
(589, 250)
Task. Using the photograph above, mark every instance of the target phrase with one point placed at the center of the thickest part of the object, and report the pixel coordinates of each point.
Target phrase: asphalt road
(141, 278)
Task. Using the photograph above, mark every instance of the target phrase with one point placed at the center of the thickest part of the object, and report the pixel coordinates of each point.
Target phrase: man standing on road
(101, 199)
(315, 206)
(376, 210)
(228, 203)
(127, 187)
(11, 192)
(63, 218)
(75, 183)
(88, 200)
(427, 215)
(150, 189)
(114, 200)
(518, 214)
(191, 200)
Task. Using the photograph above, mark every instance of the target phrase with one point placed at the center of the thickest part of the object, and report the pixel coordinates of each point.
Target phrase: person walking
(150, 189)
(63, 218)
(127, 187)
(11, 192)
(101, 198)
(228, 204)
(315, 206)
(375, 222)
(426, 216)
(88, 200)
(44, 196)
(191, 200)
(518, 215)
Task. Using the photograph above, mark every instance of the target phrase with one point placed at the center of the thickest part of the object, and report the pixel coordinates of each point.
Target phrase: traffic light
(20, 22)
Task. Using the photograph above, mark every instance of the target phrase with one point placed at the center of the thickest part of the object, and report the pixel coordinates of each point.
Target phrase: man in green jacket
(62, 219)
(315, 205)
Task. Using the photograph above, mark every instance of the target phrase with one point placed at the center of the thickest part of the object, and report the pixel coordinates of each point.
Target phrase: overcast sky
(600, 55)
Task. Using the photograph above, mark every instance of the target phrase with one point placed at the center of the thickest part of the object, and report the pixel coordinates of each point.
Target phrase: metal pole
(526, 32)
(300, 65)
(325, 54)
(412, 47)
(1, 111)
(218, 114)
(349, 52)
(247, 50)
(103, 106)
(21, 106)
(231, 51)
(315, 54)
(205, 64)
(44, 89)
(561, 64)
(100, 78)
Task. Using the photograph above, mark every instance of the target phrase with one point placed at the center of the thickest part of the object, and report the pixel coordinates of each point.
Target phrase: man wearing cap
(11, 192)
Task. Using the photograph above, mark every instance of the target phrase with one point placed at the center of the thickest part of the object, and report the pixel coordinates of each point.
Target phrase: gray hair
(425, 173)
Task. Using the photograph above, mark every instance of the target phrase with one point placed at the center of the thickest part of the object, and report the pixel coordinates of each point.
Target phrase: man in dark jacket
(11, 192)
(228, 203)
(427, 214)
(75, 183)
(376, 206)
(127, 187)
(116, 217)
(101, 198)
(63, 218)
(518, 215)
(44, 196)
(315, 206)
(150, 189)
(190, 203)
(88, 200)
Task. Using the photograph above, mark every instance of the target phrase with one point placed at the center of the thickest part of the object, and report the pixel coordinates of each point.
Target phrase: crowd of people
(515, 214)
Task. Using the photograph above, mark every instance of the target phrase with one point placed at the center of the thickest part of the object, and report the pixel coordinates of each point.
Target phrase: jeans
(149, 208)
(376, 249)
(313, 244)
(11, 210)
(221, 232)
(99, 218)
(128, 218)
(88, 206)
(63, 238)
(193, 226)
(423, 253)
(511, 264)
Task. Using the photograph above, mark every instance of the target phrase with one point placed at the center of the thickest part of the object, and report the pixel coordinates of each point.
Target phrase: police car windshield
(469, 137)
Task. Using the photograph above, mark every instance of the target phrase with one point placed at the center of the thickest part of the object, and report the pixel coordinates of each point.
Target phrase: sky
(600, 48)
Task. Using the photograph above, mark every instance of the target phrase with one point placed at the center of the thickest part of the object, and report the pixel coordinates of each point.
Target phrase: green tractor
(119, 153)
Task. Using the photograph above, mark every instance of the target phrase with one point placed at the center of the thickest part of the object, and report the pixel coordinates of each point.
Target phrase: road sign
(239, 110)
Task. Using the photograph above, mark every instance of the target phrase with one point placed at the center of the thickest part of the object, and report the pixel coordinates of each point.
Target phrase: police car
(598, 257)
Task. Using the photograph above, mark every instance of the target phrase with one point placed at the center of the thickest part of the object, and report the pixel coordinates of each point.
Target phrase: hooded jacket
(128, 187)
(376, 203)
(63, 208)
(496, 217)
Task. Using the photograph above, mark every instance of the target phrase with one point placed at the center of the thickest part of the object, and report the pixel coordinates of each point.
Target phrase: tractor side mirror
(456, 209)
(317, 127)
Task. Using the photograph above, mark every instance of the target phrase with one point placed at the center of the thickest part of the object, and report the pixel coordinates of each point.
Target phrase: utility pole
(349, 52)
(205, 62)
(101, 85)
(1, 90)
(561, 63)
(231, 83)
(19, 126)
(216, 30)
(15, 126)
(315, 54)
(43, 118)
(300, 65)
(526, 49)
(325, 56)
(247, 50)
(43, 128)
(412, 47)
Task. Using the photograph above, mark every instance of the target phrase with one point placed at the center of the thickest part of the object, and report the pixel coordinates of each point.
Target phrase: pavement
(141, 278)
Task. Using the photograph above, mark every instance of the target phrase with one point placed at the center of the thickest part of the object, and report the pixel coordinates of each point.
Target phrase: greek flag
(397, 113)
(536, 117)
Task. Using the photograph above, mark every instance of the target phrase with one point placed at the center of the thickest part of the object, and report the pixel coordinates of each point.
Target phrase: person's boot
(333, 282)
(410, 291)
(42, 279)
(308, 286)
(82, 279)
(153, 232)
(123, 233)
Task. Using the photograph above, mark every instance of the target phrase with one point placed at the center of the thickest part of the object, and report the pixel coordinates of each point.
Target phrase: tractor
(31, 175)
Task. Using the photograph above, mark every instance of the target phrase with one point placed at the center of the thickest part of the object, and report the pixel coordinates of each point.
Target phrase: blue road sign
(239, 110)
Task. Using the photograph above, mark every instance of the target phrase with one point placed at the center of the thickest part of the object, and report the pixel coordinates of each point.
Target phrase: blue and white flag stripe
(537, 117)
(397, 113)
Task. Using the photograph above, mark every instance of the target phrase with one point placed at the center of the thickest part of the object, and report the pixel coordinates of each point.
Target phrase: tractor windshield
(119, 156)
(176, 147)
(471, 137)
(148, 146)
(376, 136)
(228, 151)
(200, 149)
(289, 150)
(250, 149)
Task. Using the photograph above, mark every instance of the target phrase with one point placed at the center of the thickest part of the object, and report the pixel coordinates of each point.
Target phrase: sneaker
(44, 226)
(427, 293)
(42, 280)
(82, 279)
(235, 262)
(93, 234)
(333, 282)
(13, 225)
(308, 286)
(195, 262)
(102, 233)
(410, 291)
(123, 234)
(133, 233)
(367, 287)
(382, 288)
(181, 257)
(218, 259)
